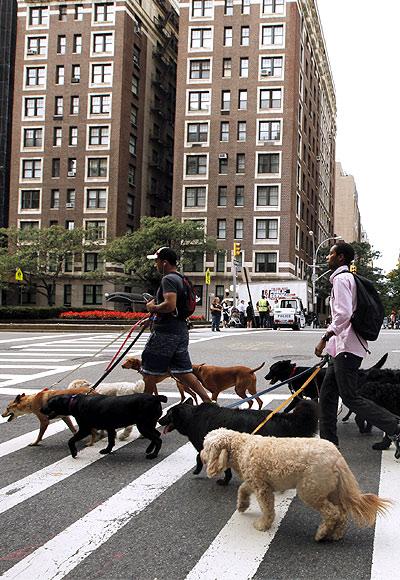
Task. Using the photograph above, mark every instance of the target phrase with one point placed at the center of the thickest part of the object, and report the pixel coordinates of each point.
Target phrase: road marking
(41, 337)
(57, 557)
(387, 528)
(238, 550)
(23, 440)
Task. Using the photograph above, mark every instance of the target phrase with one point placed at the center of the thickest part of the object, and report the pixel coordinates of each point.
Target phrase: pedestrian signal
(236, 248)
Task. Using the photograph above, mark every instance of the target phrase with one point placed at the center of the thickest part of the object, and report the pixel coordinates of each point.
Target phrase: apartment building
(347, 213)
(254, 136)
(93, 123)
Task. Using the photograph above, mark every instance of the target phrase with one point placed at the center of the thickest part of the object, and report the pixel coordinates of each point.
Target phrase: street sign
(19, 276)
(208, 277)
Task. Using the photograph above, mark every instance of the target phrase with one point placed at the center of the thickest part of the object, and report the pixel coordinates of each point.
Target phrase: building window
(268, 163)
(199, 101)
(91, 261)
(228, 8)
(31, 169)
(35, 76)
(238, 235)
(135, 85)
(240, 162)
(272, 35)
(77, 44)
(99, 135)
(60, 75)
(246, 6)
(241, 130)
(239, 196)
(197, 132)
(267, 196)
(74, 106)
(58, 106)
(34, 107)
(76, 73)
(103, 43)
(273, 6)
(38, 16)
(242, 99)
(220, 261)
(202, 8)
(266, 229)
(225, 100)
(201, 38)
(228, 36)
(132, 144)
(266, 261)
(96, 229)
(270, 99)
(269, 130)
(134, 115)
(71, 166)
(62, 12)
(70, 200)
(92, 294)
(244, 67)
(131, 175)
(96, 199)
(223, 164)
(221, 229)
(36, 45)
(195, 197)
(67, 294)
(196, 262)
(73, 136)
(55, 198)
(104, 12)
(199, 69)
(224, 131)
(196, 164)
(222, 195)
(245, 35)
(61, 44)
(57, 136)
(100, 104)
(29, 225)
(55, 167)
(30, 199)
(97, 167)
(69, 225)
(101, 74)
(78, 12)
(130, 205)
(227, 67)
(33, 138)
(271, 66)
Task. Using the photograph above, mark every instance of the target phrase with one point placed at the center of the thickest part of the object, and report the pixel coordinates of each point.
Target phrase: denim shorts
(165, 352)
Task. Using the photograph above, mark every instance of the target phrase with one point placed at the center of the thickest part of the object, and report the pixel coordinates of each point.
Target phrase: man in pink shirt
(346, 350)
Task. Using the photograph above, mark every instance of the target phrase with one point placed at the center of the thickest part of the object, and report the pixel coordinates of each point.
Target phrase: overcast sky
(363, 41)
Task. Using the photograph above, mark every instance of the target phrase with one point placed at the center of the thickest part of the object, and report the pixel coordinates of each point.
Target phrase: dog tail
(257, 369)
(363, 507)
(161, 398)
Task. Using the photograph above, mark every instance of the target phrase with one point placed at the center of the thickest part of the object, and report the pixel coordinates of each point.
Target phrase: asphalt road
(121, 516)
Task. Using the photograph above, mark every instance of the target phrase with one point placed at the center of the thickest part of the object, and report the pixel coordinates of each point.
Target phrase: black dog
(284, 369)
(196, 421)
(110, 413)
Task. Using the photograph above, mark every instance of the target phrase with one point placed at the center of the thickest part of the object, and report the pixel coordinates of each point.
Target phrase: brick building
(255, 135)
(347, 213)
(93, 121)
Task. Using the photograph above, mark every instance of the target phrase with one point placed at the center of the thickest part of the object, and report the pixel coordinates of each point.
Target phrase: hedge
(32, 312)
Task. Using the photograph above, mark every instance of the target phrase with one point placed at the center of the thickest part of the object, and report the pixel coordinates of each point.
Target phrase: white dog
(314, 467)
(116, 390)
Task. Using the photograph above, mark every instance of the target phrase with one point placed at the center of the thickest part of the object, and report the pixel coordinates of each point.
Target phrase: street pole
(314, 268)
(234, 278)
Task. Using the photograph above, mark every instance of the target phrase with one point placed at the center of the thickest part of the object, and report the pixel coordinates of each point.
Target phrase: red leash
(126, 339)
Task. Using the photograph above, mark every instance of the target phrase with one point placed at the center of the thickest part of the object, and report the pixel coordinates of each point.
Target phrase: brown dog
(25, 404)
(216, 379)
(136, 364)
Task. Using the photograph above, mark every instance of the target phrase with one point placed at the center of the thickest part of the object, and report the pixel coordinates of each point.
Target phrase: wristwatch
(326, 337)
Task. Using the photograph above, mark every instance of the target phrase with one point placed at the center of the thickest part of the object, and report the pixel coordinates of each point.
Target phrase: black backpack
(368, 317)
(186, 302)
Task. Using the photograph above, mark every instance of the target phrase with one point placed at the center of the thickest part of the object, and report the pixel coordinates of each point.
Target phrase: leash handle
(284, 403)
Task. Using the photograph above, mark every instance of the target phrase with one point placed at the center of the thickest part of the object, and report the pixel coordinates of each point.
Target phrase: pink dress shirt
(343, 302)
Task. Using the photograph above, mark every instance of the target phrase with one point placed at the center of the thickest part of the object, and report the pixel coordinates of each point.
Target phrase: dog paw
(243, 506)
(196, 471)
(34, 444)
(74, 454)
(151, 455)
(105, 451)
(261, 525)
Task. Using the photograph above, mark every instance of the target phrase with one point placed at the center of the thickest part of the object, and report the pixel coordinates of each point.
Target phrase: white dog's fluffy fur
(116, 390)
(314, 467)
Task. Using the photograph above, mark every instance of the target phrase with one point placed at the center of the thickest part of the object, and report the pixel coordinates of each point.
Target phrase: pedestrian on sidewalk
(346, 350)
(249, 315)
(263, 309)
(242, 313)
(167, 347)
(216, 313)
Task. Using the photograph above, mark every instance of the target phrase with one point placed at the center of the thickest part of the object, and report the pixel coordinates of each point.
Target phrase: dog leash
(125, 341)
(284, 403)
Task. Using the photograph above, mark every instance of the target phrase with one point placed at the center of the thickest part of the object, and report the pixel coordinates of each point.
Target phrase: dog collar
(72, 403)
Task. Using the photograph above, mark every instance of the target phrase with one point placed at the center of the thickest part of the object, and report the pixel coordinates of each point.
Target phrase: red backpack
(186, 302)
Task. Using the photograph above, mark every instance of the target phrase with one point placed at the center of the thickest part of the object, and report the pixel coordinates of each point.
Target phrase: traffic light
(236, 248)
(353, 268)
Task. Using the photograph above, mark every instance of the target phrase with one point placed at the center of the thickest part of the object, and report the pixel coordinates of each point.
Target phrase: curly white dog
(314, 467)
(116, 390)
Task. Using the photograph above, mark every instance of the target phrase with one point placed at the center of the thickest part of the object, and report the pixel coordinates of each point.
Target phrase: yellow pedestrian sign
(19, 276)
(208, 277)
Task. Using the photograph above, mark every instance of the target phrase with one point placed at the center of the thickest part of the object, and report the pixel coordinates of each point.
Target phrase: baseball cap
(164, 253)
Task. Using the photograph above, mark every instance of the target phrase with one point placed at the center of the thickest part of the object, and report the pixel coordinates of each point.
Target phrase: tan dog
(314, 467)
(25, 404)
(136, 364)
(216, 379)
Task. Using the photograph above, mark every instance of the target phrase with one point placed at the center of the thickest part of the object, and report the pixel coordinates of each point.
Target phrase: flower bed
(110, 315)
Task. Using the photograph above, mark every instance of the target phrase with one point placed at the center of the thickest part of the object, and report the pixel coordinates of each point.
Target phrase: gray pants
(341, 378)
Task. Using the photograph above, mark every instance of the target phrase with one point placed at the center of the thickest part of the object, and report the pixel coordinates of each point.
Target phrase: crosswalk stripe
(64, 552)
(239, 548)
(22, 441)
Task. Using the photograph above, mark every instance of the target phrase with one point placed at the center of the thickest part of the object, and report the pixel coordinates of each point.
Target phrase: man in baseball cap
(164, 253)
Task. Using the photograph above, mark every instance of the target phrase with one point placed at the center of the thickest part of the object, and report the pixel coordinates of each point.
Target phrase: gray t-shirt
(170, 322)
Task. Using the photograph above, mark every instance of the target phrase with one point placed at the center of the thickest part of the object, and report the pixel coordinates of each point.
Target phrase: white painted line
(387, 528)
(27, 360)
(239, 549)
(23, 440)
(32, 338)
(57, 557)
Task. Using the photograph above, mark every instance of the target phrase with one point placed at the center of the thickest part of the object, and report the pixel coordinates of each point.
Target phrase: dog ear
(217, 460)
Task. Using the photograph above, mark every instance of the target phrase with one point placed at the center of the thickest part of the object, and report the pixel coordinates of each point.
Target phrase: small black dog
(285, 369)
(110, 413)
(196, 421)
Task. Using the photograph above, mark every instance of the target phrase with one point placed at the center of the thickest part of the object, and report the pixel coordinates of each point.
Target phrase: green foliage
(186, 238)
(32, 312)
(391, 294)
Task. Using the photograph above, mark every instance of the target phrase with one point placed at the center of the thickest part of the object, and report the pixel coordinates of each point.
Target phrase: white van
(289, 313)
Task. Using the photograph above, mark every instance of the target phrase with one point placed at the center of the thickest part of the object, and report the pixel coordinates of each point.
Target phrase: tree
(187, 238)
(391, 295)
(41, 254)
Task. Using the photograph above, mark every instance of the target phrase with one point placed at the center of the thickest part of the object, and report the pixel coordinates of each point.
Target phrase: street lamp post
(314, 276)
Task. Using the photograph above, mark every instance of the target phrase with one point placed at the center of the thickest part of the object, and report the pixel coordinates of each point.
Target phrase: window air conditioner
(71, 173)
(32, 51)
(266, 72)
(75, 80)
(222, 155)
(70, 205)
